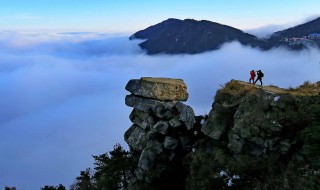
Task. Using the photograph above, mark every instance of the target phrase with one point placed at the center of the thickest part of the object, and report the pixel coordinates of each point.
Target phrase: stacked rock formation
(162, 130)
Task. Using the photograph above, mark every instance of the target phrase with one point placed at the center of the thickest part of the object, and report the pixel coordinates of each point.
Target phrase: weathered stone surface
(212, 127)
(139, 174)
(164, 113)
(148, 158)
(161, 127)
(170, 143)
(144, 163)
(147, 105)
(175, 122)
(155, 147)
(153, 116)
(164, 89)
(152, 135)
(186, 114)
(143, 119)
(136, 137)
(235, 143)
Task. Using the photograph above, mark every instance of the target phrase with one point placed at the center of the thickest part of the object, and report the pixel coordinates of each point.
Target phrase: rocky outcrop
(253, 129)
(255, 121)
(162, 131)
(260, 132)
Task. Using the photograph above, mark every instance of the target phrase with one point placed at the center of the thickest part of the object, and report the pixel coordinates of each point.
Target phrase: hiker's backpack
(262, 75)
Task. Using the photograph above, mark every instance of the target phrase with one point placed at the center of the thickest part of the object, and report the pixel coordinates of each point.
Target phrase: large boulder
(136, 137)
(214, 127)
(142, 119)
(164, 89)
(161, 127)
(170, 143)
(186, 114)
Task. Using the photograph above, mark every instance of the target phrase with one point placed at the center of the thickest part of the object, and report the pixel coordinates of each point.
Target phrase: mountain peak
(190, 36)
(174, 36)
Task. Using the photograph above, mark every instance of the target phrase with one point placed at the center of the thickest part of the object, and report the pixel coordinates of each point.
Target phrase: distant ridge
(299, 30)
(174, 36)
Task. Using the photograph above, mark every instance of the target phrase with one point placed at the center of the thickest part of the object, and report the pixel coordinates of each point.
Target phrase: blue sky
(130, 16)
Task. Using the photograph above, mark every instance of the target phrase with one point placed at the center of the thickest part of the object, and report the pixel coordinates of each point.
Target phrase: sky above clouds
(63, 73)
(130, 16)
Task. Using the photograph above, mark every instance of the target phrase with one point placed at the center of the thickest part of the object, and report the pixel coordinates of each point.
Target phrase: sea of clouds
(62, 94)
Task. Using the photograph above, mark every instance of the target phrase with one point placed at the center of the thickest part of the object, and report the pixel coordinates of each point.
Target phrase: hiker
(252, 75)
(260, 75)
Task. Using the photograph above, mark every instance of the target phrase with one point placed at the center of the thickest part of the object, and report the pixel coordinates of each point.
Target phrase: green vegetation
(9, 188)
(112, 170)
(59, 187)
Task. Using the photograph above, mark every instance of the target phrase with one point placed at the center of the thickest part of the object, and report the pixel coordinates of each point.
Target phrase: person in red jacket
(252, 75)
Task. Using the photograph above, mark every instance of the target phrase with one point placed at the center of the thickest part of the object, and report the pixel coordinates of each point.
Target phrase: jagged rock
(170, 143)
(161, 127)
(246, 125)
(139, 174)
(212, 127)
(155, 147)
(136, 137)
(147, 105)
(163, 112)
(175, 122)
(152, 135)
(235, 143)
(142, 119)
(186, 114)
(148, 157)
(146, 160)
(159, 88)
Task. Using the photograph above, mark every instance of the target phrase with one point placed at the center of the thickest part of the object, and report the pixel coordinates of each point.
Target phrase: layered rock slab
(164, 89)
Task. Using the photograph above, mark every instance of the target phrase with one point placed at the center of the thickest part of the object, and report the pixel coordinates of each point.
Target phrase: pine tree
(47, 187)
(114, 169)
(83, 182)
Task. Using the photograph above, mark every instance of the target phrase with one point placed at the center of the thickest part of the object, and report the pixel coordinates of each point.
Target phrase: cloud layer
(62, 95)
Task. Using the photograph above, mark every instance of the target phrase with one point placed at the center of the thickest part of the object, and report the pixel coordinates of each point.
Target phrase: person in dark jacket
(260, 75)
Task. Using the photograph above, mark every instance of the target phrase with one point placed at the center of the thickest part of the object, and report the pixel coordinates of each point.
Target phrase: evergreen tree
(83, 182)
(114, 169)
(59, 187)
(10, 188)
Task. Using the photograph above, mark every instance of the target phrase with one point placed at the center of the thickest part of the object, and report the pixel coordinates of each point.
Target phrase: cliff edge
(253, 138)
